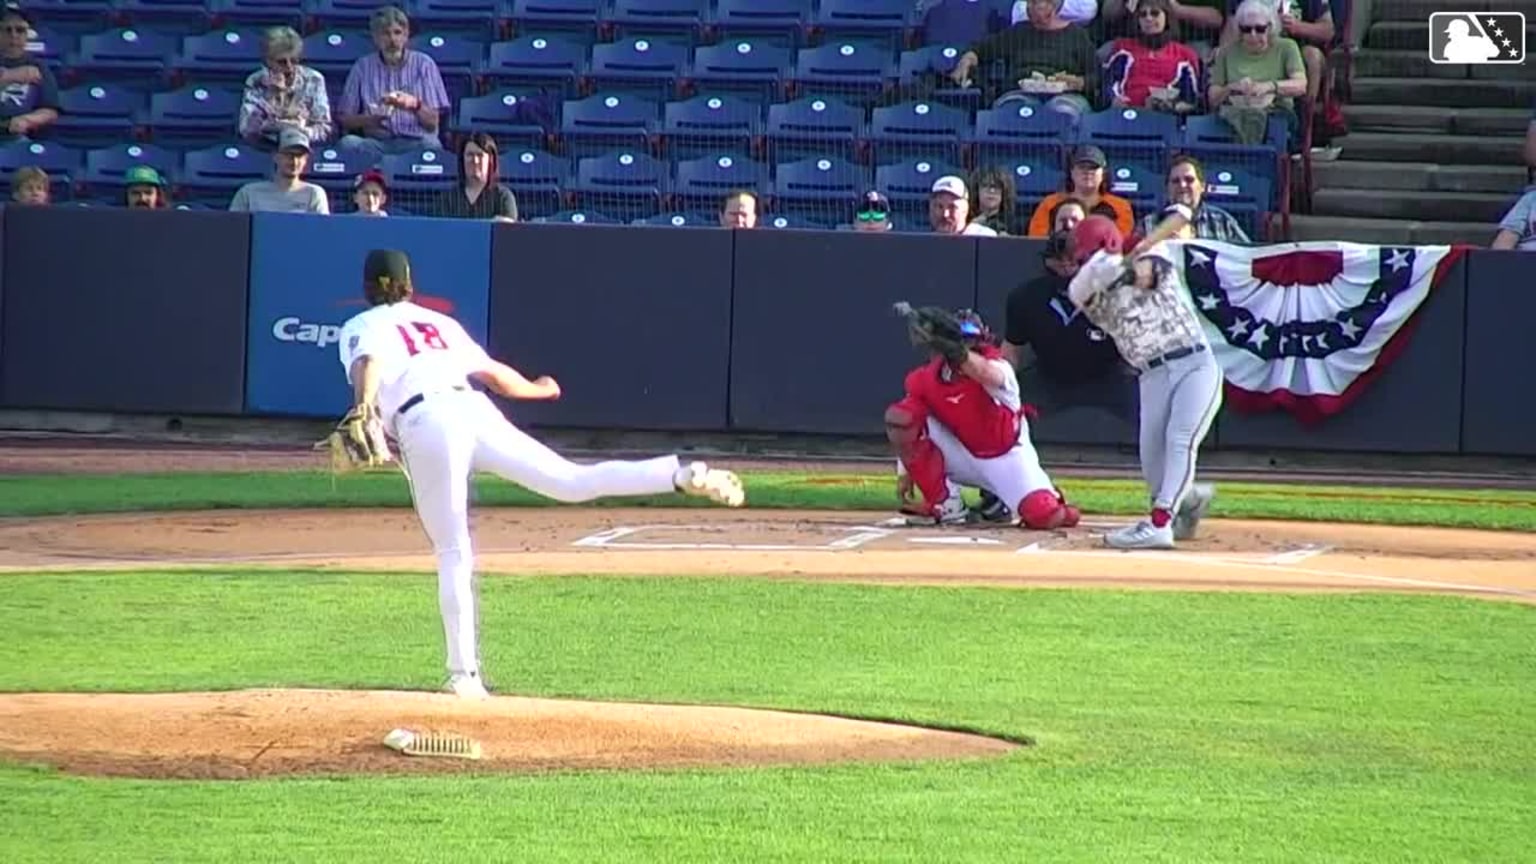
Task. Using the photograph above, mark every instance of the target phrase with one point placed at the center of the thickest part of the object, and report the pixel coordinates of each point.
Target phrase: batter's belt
(1175, 354)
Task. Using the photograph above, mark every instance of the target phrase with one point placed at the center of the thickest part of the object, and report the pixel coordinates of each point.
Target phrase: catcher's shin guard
(1046, 509)
(906, 425)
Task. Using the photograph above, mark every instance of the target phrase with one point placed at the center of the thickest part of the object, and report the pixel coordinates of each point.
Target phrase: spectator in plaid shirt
(394, 99)
(1186, 185)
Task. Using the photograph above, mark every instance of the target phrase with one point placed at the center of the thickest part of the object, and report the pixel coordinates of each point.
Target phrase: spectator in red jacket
(1153, 69)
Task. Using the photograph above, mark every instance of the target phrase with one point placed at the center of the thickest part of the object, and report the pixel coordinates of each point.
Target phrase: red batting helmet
(1095, 233)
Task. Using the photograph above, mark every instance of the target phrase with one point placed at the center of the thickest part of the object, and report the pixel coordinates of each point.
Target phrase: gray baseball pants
(1179, 401)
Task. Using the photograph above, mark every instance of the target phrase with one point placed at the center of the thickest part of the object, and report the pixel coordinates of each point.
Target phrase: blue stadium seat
(128, 56)
(1245, 195)
(225, 57)
(887, 20)
(849, 70)
(51, 45)
(335, 169)
(420, 169)
(681, 220)
(192, 116)
(702, 183)
(709, 124)
(577, 17)
(1212, 140)
(332, 53)
(640, 66)
(820, 190)
(211, 175)
(544, 61)
(538, 179)
(909, 183)
(1033, 179)
(580, 217)
(797, 220)
(63, 164)
(69, 16)
(811, 126)
(1135, 182)
(681, 20)
(745, 67)
(478, 20)
(459, 57)
(779, 22)
(96, 115)
(259, 13)
(1130, 134)
(918, 129)
(624, 184)
(916, 68)
(179, 17)
(342, 14)
(603, 122)
(102, 176)
(497, 114)
(1015, 131)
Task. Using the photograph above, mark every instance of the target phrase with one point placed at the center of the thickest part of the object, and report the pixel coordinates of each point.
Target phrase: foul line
(1296, 556)
(611, 539)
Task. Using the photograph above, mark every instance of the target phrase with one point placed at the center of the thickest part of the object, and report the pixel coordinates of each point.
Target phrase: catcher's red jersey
(987, 424)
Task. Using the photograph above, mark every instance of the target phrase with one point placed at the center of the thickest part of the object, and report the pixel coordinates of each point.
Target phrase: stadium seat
(475, 20)
(745, 67)
(909, 183)
(192, 116)
(178, 17)
(212, 174)
(677, 20)
(335, 168)
(342, 14)
(258, 14)
(1212, 140)
(702, 183)
(624, 184)
(580, 217)
(1033, 180)
(918, 129)
(63, 164)
(886, 20)
(537, 178)
(1129, 134)
(777, 22)
(639, 66)
(576, 17)
(1015, 131)
(332, 53)
(420, 169)
(70, 16)
(225, 57)
(96, 115)
(797, 221)
(127, 56)
(604, 122)
(459, 57)
(811, 127)
(1136, 183)
(681, 220)
(102, 175)
(710, 124)
(849, 70)
(498, 115)
(1246, 196)
(820, 190)
(52, 46)
(929, 66)
(542, 61)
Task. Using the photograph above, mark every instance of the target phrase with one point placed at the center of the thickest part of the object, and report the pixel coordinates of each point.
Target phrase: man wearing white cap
(949, 209)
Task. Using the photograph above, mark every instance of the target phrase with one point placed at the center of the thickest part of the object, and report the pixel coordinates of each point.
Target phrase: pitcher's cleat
(719, 485)
(466, 686)
(1142, 535)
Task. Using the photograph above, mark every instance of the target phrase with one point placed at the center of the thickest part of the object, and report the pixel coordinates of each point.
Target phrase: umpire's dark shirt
(1068, 348)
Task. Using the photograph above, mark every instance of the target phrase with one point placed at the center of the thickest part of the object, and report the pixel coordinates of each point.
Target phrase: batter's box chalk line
(615, 538)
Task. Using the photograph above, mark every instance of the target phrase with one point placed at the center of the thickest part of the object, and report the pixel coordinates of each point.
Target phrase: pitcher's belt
(421, 397)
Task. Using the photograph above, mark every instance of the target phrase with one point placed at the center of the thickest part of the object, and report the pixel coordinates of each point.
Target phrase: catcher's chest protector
(986, 428)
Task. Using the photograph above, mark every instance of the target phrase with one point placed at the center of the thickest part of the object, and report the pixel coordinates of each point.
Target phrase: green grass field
(1177, 727)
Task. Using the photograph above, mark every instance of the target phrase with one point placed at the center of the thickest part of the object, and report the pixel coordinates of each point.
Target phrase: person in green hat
(144, 189)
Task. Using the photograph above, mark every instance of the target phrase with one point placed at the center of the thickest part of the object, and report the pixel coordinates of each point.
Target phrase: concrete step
(1442, 149)
(1414, 35)
(1418, 177)
(1484, 207)
(1463, 121)
(1448, 93)
(1387, 231)
(1383, 63)
(1418, 10)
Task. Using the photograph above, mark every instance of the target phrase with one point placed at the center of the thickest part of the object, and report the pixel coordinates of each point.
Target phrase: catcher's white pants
(1010, 476)
(452, 434)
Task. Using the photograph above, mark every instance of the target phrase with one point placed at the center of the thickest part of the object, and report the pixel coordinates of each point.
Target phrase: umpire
(1062, 359)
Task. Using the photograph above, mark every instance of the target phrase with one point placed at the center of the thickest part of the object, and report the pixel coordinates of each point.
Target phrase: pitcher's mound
(258, 733)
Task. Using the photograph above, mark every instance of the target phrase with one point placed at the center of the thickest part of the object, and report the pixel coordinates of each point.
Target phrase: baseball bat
(1164, 230)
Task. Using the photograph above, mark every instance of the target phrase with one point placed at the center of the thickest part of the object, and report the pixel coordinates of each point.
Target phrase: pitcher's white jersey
(415, 350)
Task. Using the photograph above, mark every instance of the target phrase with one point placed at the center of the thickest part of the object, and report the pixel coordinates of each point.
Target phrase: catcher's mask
(972, 327)
(1095, 233)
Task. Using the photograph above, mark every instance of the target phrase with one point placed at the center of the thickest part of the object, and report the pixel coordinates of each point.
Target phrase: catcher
(961, 423)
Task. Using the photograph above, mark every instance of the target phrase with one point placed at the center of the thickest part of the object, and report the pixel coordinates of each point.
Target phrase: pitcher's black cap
(387, 264)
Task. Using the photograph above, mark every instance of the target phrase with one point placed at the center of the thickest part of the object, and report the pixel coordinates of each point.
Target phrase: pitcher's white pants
(1010, 476)
(449, 436)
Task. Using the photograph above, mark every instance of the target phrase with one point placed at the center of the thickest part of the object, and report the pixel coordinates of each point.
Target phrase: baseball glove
(357, 442)
(936, 329)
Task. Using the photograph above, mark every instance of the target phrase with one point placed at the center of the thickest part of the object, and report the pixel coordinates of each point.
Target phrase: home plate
(964, 540)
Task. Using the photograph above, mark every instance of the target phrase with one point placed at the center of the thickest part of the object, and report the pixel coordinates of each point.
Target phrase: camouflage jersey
(1146, 323)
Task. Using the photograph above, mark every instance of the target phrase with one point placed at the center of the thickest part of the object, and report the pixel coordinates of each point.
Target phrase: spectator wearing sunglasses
(31, 93)
(1262, 75)
(874, 215)
(284, 93)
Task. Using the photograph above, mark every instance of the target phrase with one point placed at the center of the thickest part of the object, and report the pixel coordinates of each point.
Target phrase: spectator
(1049, 60)
(1186, 185)
(284, 93)
(29, 186)
(1309, 23)
(1530, 146)
(1075, 11)
(949, 209)
(286, 192)
(1086, 182)
(1262, 74)
(1517, 230)
(370, 193)
(1066, 214)
(739, 210)
(1153, 69)
(394, 98)
(480, 194)
(874, 215)
(144, 189)
(996, 201)
(29, 94)
(1199, 21)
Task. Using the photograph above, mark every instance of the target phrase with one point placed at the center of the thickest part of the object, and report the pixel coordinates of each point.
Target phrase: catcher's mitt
(936, 329)
(357, 442)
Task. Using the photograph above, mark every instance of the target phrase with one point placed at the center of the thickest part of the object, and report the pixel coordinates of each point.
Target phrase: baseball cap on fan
(14, 10)
(951, 185)
(293, 138)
